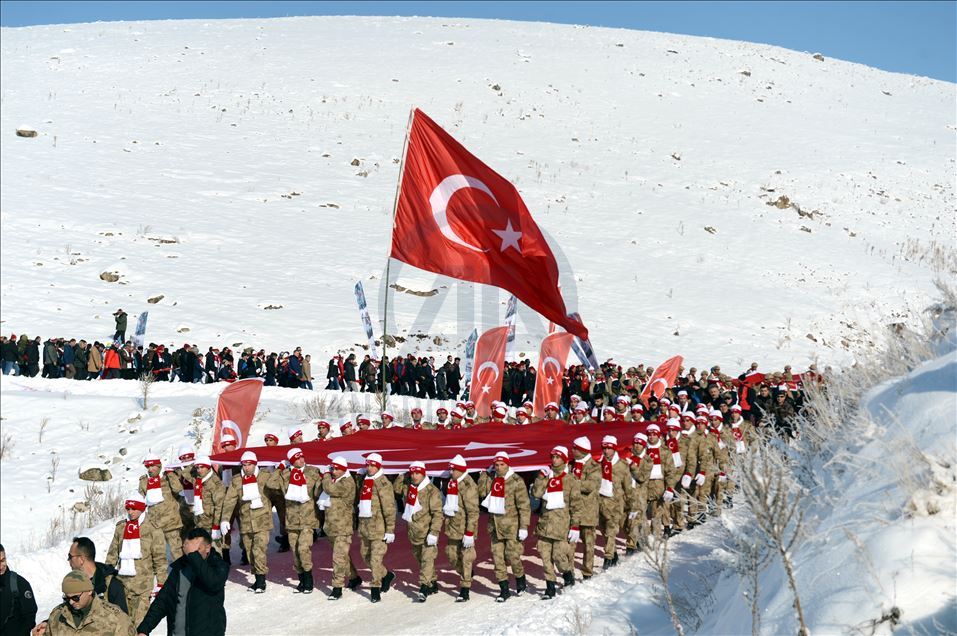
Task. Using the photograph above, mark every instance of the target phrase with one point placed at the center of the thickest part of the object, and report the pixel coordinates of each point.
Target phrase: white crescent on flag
(440, 201)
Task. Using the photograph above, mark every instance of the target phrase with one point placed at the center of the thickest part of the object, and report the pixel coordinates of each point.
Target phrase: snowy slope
(165, 150)
(169, 153)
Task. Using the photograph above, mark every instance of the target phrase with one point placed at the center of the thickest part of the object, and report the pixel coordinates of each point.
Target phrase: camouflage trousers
(342, 566)
(609, 523)
(507, 553)
(255, 544)
(554, 553)
(425, 557)
(300, 543)
(138, 604)
(660, 513)
(373, 553)
(462, 559)
(588, 550)
(175, 543)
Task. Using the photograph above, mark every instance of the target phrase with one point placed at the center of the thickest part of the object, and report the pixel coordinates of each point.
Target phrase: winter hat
(702, 408)
(293, 454)
(684, 393)
(374, 458)
(638, 407)
(340, 463)
(441, 410)
(186, 453)
(458, 463)
(270, 436)
(687, 415)
(362, 419)
(75, 582)
(502, 456)
(641, 439)
(675, 408)
(385, 414)
(469, 404)
(580, 409)
(622, 398)
(152, 459)
(736, 408)
(653, 428)
(294, 431)
(135, 501)
(499, 411)
(345, 426)
(575, 398)
(551, 406)
(526, 404)
(562, 452)
(701, 419)
(417, 467)
(673, 425)
(323, 424)
(664, 402)
(458, 412)
(415, 410)
(609, 441)
(229, 438)
(203, 460)
(249, 456)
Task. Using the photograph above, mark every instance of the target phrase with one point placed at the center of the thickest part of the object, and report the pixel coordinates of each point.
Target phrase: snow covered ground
(211, 162)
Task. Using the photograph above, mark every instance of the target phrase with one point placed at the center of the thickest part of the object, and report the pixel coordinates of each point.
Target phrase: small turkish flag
(662, 379)
(551, 370)
(458, 217)
(486, 383)
(235, 411)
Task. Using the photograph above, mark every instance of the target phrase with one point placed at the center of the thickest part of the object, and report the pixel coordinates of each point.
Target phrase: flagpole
(388, 261)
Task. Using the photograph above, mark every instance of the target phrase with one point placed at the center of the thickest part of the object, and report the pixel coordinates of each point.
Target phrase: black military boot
(520, 585)
(463, 595)
(307, 583)
(254, 587)
(629, 551)
(354, 583)
(569, 578)
(614, 560)
(549, 591)
(387, 580)
(423, 593)
(302, 583)
(260, 583)
(503, 592)
(434, 588)
(335, 594)
(375, 595)
(606, 564)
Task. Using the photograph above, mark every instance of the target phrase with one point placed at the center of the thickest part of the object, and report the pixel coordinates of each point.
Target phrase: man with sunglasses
(83, 612)
(106, 584)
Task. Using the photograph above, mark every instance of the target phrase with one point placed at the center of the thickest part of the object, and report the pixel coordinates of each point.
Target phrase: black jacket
(108, 586)
(18, 614)
(205, 614)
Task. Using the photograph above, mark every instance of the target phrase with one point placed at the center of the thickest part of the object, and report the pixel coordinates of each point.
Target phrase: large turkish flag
(486, 383)
(236, 409)
(458, 217)
(551, 369)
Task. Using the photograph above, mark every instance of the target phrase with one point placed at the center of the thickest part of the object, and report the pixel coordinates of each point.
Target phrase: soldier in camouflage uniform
(423, 516)
(615, 495)
(84, 613)
(636, 524)
(138, 551)
(657, 473)
(301, 485)
(588, 472)
(461, 510)
(209, 495)
(161, 495)
(506, 499)
(376, 523)
(557, 528)
(247, 494)
(338, 502)
(276, 497)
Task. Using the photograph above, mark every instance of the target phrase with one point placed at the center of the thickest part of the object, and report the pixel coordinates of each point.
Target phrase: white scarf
(324, 500)
(607, 488)
(554, 499)
(154, 494)
(297, 492)
(198, 509)
(251, 491)
(130, 549)
(417, 504)
(451, 506)
(365, 503)
(495, 502)
(656, 466)
(721, 443)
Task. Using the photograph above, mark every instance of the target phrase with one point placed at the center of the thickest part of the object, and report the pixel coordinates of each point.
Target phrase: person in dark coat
(32, 355)
(192, 599)
(106, 583)
(120, 334)
(18, 607)
(349, 373)
(11, 356)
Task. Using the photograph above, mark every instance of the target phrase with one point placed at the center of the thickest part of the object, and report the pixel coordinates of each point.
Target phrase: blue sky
(908, 37)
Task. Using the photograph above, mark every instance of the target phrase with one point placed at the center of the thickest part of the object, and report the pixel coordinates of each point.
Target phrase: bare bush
(146, 383)
(44, 422)
(6, 445)
(320, 406)
(578, 621)
(656, 556)
(54, 465)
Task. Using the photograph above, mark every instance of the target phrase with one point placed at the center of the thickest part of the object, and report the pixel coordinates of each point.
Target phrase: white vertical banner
(470, 355)
(139, 334)
(366, 320)
(511, 313)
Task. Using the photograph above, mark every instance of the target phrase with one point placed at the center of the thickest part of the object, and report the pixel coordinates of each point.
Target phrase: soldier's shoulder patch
(28, 594)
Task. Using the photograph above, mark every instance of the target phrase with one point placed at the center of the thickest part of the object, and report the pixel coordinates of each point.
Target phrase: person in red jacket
(111, 363)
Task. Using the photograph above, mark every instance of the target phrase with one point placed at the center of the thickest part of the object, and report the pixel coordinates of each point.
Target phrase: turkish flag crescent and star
(529, 447)
(548, 386)
(486, 383)
(663, 378)
(457, 217)
(235, 410)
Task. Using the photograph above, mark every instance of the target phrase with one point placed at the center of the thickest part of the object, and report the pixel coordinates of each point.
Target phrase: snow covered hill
(721, 200)
(245, 172)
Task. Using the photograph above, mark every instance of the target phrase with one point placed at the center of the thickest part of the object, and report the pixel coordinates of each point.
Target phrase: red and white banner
(487, 370)
(529, 447)
(551, 369)
(662, 379)
(236, 409)
(458, 217)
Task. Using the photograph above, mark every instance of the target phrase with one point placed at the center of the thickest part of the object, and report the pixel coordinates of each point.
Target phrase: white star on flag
(509, 237)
